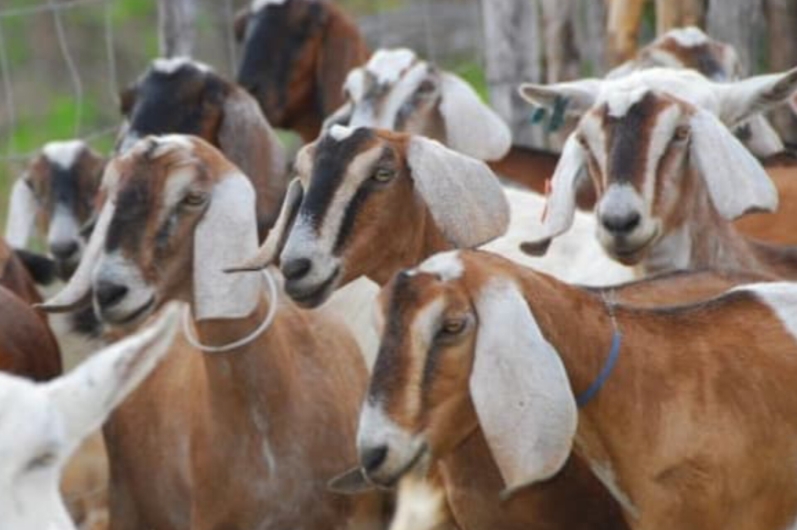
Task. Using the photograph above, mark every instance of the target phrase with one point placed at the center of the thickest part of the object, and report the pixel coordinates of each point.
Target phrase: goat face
(357, 188)
(174, 204)
(279, 63)
(63, 181)
(173, 96)
(636, 149)
(398, 91)
(418, 406)
(42, 424)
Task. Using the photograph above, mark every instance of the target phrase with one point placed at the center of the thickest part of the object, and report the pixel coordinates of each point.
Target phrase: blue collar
(586, 396)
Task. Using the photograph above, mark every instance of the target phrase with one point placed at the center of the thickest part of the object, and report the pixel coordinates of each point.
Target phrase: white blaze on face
(63, 154)
(257, 5)
(446, 265)
(172, 64)
(387, 66)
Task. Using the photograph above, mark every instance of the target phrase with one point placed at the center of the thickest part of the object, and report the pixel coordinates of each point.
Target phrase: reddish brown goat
(295, 59)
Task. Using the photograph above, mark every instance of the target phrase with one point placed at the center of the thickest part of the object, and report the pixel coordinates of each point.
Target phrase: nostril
(373, 457)
(621, 223)
(64, 250)
(295, 269)
(108, 293)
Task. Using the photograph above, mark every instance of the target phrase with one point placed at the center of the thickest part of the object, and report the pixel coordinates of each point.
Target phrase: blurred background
(62, 62)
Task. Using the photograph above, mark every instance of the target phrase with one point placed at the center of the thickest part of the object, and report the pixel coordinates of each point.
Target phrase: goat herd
(497, 394)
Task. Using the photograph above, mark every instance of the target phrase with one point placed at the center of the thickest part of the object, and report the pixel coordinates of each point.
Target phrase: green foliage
(474, 74)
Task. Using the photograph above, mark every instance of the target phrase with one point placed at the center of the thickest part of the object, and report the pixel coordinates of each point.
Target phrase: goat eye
(426, 87)
(681, 133)
(194, 198)
(40, 461)
(453, 326)
(383, 174)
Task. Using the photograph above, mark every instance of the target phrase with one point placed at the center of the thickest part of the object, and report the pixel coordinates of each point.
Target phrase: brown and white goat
(668, 173)
(179, 95)
(296, 54)
(397, 90)
(690, 427)
(57, 189)
(271, 417)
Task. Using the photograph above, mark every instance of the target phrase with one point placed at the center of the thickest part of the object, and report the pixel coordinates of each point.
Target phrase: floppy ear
(77, 292)
(561, 207)
(88, 394)
(239, 24)
(580, 95)
(764, 140)
(520, 389)
(742, 99)
(464, 197)
(340, 49)
(225, 236)
(472, 127)
(269, 251)
(21, 214)
(246, 138)
(736, 181)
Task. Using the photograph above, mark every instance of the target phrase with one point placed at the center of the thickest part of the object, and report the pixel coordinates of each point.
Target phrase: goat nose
(108, 293)
(295, 269)
(63, 250)
(621, 224)
(373, 457)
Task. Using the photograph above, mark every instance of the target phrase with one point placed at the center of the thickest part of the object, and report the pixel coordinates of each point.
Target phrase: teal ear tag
(558, 114)
(537, 115)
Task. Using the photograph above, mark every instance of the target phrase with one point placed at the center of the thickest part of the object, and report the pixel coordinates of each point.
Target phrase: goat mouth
(392, 480)
(631, 255)
(130, 318)
(313, 296)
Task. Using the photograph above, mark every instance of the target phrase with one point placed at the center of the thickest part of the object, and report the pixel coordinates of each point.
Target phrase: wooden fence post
(176, 27)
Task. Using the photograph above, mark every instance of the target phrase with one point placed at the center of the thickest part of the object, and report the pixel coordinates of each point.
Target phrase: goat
(668, 174)
(58, 188)
(179, 95)
(689, 47)
(397, 90)
(414, 196)
(272, 416)
(14, 275)
(42, 424)
(486, 342)
(296, 54)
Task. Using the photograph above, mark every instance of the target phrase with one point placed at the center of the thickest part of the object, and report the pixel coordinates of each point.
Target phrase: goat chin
(574, 257)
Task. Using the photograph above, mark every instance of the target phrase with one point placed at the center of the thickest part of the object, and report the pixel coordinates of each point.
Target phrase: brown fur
(14, 277)
(316, 72)
(663, 417)
(27, 346)
(779, 227)
(297, 388)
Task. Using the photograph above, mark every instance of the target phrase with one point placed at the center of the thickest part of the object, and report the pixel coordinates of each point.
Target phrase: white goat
(41, 424)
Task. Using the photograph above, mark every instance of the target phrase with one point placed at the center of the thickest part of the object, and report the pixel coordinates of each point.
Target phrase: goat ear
(269, 251)
(87, 395)
(21, 214)
(520, 389)
(579, 95)
(464, 197)
(764, 140)
(742, 99)
(342, 116)
(461, 108)
(736, 181)
(561, 207)
(77, 292)
(225, 236)
(239, 24)
(246, 138)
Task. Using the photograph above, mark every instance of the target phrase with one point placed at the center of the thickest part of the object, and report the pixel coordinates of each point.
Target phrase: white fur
(115, 268)
(419, 505)
(48, 420)
(355, 84)
(21, 214)
(387, 66)
(340, 132)
(376, 429)
(257, 5)
(689, 36)
(446, 265)
(63, 154)
(64, 228)
(520, 389)
(781, 297)
(172, 64)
